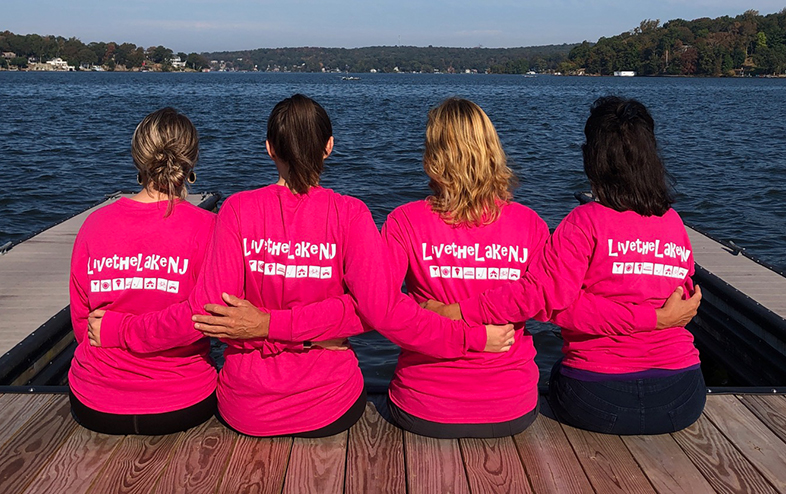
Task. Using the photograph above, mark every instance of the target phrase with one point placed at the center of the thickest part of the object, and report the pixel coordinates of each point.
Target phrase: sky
(208, 25)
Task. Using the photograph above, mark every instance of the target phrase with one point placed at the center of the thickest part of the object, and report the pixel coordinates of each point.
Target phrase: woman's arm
(78, 280)
(381, 304)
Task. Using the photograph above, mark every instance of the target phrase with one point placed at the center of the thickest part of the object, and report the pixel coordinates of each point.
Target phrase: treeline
(397, 58)
(743, 45)
(110, 55)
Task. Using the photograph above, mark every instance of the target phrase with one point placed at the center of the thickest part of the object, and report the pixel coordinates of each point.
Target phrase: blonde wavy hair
(165, 148)
(467, 166)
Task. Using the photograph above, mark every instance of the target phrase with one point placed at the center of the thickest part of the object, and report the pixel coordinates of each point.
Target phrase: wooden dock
(761, 284)
(738, 445)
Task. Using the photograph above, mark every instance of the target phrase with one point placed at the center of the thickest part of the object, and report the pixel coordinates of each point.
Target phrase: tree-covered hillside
(747, 44)
(401, 58)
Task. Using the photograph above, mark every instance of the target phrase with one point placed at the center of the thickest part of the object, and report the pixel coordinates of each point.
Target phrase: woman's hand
(676, 312)
(499, 339)
(238, 320)
(94, 327)
(452, 311)
(336, 344)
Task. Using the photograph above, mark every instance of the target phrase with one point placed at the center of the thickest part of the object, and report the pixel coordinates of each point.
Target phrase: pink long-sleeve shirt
(621, 256)
(281, 251)
(128, 257)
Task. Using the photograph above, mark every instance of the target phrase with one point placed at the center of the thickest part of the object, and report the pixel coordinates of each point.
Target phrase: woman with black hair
(628, 246)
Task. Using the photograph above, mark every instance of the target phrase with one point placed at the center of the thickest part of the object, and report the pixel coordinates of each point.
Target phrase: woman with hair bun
(628, 246)
(136, 255)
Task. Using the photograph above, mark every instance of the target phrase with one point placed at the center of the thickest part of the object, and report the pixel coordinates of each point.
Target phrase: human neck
(148, 195)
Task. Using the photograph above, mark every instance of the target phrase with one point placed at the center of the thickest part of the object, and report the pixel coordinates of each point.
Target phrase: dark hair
(298, 129)
(621, 158)
(165, 148)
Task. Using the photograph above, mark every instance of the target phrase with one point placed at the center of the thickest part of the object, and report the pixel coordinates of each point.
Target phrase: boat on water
(350, 78)
(625, 73)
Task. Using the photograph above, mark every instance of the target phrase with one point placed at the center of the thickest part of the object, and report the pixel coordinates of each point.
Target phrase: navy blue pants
(639, 406)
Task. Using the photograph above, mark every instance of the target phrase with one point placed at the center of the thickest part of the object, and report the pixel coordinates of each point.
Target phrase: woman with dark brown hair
(628, 246)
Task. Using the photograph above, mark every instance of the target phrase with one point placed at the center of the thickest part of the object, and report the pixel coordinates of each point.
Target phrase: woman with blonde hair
(466, 238)
(135, 255)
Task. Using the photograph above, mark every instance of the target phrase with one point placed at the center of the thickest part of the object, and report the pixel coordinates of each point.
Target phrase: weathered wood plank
(317, 465)
(136, 465)
(762, 447)
(434, 465)
(494, 466)
(607, 462)
(770, 409)
(256, 465)
(16, 410)
(199, 461)
(31, 449)
(76, 463)
(666, 465)
(375, 456)
(548, 458)
(719, 461)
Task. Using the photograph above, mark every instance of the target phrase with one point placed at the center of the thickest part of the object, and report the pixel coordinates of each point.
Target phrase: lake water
(65, 139)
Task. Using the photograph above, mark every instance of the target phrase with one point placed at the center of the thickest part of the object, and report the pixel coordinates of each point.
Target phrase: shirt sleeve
(553, 282)
(77, 289)
(371, 281)
(596, 315)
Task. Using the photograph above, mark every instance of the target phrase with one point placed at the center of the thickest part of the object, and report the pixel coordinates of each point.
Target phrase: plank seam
(49, 459)
(573, 447)
(228, 459)
(23, 424)
(523, 465)
(100, 472)
(638, 464)
(754, 412)
(180, 436)
(742, 454)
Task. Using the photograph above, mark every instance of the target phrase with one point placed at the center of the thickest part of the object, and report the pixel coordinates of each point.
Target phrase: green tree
(19, 62)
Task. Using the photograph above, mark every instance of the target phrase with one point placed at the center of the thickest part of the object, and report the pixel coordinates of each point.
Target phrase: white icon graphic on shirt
(514, 274)
(458, 272)
(683, 272)
(128, 283)
(313, 271)
(137, 283)
(667, 270)
(646, 268)
(503, 273)
(434, 271)
(270, 269)
(469, 273)
(444, 271)
(150, 283)
(252, 265)
(637, 268)
(481, 273)
(95, 285)
(173, 286)
(628, 268)
(291, 271)
(161, 284)
(302, 271)
(118, 283)
(617, 267)
(281, 270)
(106, 285)
(658, 270)
(325, 272)
(493, 273)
